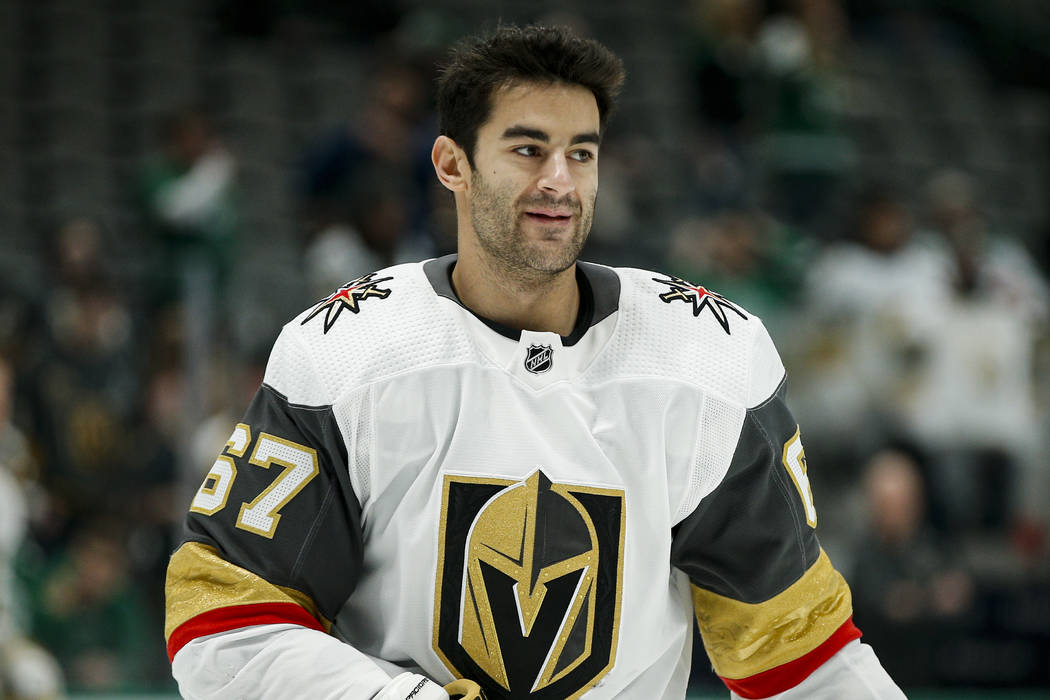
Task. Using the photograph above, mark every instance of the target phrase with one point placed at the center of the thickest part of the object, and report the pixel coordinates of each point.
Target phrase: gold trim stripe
(743, 639)
(199, 581)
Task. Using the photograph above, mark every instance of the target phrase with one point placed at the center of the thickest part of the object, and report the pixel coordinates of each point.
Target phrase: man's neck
(536, 302)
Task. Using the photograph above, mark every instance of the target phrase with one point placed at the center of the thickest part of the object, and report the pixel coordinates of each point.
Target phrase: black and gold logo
(700, 298)
(349, 296)
(528, 585)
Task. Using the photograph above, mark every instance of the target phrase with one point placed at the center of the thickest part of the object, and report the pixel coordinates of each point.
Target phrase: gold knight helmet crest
(528, 611)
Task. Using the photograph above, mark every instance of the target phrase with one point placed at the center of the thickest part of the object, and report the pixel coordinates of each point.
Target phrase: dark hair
(481, 65)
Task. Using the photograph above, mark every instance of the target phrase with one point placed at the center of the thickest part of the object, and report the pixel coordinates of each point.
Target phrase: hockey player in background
(510, 467)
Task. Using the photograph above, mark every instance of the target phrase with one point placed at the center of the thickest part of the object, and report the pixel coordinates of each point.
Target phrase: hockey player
(510, 467)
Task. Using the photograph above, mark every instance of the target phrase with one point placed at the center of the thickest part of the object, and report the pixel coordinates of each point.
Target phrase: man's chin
(553, 261)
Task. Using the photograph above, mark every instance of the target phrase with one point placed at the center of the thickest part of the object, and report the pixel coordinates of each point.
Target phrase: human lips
(547, 215)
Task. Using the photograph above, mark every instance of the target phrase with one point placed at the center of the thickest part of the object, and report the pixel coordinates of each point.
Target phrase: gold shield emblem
(529, 584)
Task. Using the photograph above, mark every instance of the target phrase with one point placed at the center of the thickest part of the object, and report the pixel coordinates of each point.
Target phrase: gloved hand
(463, 689)
(411, 686)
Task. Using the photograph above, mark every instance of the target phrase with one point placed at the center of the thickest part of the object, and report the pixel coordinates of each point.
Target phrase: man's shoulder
(368, 300)
(373, 326)
(661, 297)
(683, 330)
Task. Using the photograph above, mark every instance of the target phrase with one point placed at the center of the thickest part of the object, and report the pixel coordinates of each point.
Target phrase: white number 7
(262, 515)
(794, 460)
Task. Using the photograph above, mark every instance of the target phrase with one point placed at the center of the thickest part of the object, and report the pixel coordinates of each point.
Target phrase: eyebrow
(515, 132)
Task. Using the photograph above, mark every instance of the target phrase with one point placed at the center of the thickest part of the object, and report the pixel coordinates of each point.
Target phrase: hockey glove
(411, 686)
(463, 689)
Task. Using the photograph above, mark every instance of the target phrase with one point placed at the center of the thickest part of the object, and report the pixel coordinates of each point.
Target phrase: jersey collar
(599, 296)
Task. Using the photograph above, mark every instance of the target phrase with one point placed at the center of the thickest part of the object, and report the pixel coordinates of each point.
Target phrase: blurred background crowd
(178, 179)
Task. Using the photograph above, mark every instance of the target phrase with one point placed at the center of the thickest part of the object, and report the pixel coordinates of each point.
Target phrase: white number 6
(794, 460)
(211, 496)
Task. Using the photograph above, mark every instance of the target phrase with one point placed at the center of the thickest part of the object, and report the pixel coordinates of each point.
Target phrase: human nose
(555, 176)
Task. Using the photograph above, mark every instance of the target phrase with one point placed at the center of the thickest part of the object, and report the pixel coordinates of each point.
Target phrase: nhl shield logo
(528, 585)
(539, 359)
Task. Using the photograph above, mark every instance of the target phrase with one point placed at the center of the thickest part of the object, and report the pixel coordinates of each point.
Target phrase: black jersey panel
(749, 538)
(298, 529)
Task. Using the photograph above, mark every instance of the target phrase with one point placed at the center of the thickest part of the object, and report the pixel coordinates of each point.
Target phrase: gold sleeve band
(199, 581)
(743, 639)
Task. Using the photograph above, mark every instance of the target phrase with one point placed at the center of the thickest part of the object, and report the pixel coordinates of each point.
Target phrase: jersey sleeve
(770, 606)
(854, 672)
(273, 535)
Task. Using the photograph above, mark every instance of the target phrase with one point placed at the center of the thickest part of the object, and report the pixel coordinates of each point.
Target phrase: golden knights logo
(701, 298)
(349, 296)
(528, 585)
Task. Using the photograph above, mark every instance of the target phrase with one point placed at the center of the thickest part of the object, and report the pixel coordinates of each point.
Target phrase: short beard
(496, 219)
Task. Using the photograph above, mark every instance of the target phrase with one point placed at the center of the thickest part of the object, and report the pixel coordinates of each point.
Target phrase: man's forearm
(271, 662)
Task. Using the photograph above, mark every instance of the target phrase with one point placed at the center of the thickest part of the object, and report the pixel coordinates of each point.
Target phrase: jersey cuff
(781, 678)
(205, 594)
(226, 619)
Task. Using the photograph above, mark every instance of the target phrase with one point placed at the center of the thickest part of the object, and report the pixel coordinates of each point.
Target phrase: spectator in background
(854, 353)
(724, 66)
(768, 86)
(27, 672)
(367, 186)
(804, 156)
(15, 454)
(974, 403)
(723, 62)
(151, 497)
(186, 193)
(187, 197)
(82, 382)
(26, 506)
(87, 612)
(907, 589)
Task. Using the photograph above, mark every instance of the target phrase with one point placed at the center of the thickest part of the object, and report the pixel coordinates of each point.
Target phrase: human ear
(450, 164)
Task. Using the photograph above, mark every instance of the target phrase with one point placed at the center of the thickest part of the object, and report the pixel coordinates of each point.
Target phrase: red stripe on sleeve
(225, 619)
(780, 678)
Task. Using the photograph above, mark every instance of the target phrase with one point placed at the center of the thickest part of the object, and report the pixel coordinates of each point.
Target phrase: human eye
(583, 155)
(528, 150)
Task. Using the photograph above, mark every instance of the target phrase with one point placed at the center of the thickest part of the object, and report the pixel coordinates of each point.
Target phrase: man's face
(535, 176)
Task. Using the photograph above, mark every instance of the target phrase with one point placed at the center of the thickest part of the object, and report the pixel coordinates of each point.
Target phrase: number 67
(262, 514)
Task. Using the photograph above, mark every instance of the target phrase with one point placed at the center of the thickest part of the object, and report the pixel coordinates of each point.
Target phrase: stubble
(498, 219)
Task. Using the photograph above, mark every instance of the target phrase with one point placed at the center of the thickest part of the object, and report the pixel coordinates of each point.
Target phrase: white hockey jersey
(415, 487)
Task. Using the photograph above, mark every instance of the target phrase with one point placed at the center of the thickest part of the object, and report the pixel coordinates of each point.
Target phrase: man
(509, 467)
